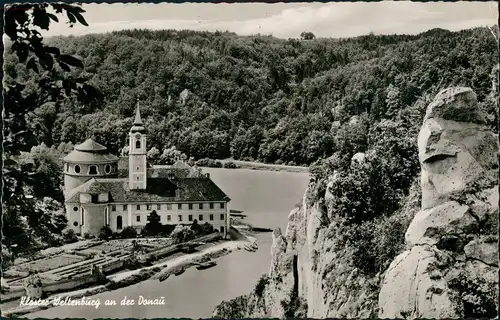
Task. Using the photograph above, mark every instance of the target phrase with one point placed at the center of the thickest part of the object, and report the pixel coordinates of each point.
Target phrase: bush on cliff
(261, 285)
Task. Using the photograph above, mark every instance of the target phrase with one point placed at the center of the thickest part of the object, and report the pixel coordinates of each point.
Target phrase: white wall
(164, 212)
(130, 213)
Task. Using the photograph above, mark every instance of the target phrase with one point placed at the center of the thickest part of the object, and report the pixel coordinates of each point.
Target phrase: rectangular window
(94, 198)
(168, 218)
(124, 207)
(200, 206)
(138, 207)
(148, 207)
(190, 206)
(179, 206)
(200, 217)
(211, 217)
(211, 205)
(180, 217)
(190, 217)
(113, 208)
(222, 205)
(158, 207)
(222, 216)
(169, 206)
(138, 218)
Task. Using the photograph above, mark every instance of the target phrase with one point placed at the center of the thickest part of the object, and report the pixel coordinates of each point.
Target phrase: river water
(266, 197)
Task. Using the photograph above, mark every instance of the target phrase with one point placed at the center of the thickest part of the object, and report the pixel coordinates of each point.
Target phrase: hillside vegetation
(220, 95)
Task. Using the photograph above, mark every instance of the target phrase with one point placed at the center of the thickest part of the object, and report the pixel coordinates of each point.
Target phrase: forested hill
(221, 95)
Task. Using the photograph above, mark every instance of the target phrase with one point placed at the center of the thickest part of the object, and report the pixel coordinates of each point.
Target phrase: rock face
(450, 267)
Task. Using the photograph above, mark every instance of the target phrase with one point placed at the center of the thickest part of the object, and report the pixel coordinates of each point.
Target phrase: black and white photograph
(250, 160)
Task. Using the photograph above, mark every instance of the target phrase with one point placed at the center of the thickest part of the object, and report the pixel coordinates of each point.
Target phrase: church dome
(90, 146)
(90, 152)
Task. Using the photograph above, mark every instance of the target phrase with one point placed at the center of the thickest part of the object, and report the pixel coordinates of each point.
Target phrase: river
(266, 197)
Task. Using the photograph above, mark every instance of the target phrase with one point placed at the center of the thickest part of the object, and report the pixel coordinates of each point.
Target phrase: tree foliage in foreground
(31, 184)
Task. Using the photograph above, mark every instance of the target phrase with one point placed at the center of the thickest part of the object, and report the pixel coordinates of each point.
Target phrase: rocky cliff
(450, 266)
(446, 263)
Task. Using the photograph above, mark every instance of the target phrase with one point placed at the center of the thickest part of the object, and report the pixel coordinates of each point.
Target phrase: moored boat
(206, 265)
(179, 272)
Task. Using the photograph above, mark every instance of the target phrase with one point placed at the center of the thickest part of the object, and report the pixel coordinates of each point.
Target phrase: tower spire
(138, 120)
(138, 126)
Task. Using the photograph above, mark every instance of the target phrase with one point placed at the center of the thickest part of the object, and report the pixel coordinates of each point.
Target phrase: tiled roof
(158, 190)
(90, 145)
(158, 173)
(77, 156)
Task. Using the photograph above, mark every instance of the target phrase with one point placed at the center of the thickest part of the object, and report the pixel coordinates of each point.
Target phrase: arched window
(93, 170)
(77, 169)
(107, 168)
(137, 144)
(119, 222)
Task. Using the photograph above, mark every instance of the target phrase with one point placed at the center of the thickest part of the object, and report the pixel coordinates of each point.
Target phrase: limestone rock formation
(450, 266)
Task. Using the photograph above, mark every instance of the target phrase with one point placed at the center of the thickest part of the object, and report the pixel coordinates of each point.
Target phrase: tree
(55, 85)
(307, 36)
(195, 226)
(154, 226)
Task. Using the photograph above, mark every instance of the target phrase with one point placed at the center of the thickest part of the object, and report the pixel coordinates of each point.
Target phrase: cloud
(328, 20)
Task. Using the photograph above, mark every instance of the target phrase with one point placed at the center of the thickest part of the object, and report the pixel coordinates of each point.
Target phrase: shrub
(105, 233)
(230, 165)
(182, 234)
(128, 232)
(87, 236)
(261, 285)
(70, 236)
(209, 163)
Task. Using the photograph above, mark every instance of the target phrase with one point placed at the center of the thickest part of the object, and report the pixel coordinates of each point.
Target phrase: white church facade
(102, 189)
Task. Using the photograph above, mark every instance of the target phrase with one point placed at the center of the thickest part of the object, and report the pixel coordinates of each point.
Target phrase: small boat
(249, 248)
(206, 265)
(179, 272)
(165, 277)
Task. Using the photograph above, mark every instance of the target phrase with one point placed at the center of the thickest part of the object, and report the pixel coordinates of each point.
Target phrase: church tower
(137, 154)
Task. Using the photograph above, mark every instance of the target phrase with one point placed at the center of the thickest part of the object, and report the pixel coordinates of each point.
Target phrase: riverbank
(265, 166)
(156, 271)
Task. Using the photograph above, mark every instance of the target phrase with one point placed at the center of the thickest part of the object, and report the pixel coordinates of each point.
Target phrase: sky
(287, 20)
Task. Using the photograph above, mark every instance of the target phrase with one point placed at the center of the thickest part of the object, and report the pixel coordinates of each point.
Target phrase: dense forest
(220, 95)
